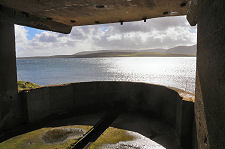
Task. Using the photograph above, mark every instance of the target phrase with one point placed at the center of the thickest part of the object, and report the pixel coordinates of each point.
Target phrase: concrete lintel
(90, 12)
(26, 19)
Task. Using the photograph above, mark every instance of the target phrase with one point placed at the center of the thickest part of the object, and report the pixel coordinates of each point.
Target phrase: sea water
(176, 72)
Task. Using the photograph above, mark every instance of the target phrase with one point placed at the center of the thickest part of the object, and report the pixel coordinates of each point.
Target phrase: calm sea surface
(169, 71)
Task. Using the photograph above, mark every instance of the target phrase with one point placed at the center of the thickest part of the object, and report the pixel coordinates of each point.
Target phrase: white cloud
(21, 35)
(155, 33)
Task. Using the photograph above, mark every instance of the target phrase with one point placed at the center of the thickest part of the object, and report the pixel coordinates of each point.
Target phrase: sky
(156, 33)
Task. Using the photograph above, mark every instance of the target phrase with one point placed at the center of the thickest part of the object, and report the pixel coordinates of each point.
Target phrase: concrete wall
(210, 79)
(92, 97)
(158, 100)
(47, 101)
(9, 104)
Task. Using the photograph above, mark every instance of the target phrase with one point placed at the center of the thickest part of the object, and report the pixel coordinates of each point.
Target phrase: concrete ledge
(151, 101)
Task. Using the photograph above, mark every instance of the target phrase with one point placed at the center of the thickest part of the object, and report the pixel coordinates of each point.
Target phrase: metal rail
(95, 132)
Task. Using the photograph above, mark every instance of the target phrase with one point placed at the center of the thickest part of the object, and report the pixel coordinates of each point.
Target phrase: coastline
(68, 56)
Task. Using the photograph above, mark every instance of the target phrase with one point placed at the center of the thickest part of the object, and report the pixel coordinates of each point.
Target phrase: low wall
(91, 97)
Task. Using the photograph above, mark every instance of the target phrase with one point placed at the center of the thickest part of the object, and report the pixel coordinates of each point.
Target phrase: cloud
(21, 35)
(155, 33)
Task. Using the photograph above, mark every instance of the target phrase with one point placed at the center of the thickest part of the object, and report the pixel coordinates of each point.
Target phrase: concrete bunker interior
(22, 110)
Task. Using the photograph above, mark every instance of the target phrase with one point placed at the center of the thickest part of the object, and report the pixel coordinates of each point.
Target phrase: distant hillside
(180, 51)
(121, 51)
(189, 50)
(126, 54)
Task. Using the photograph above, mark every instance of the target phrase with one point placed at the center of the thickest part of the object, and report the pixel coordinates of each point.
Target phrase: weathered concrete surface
(87, 12)
(47, 101)
(210, 83)
(192, 13)
(8, 80)
(154, 103)
(21, 18)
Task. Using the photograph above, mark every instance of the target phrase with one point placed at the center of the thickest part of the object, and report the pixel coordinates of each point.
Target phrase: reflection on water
(169, 71)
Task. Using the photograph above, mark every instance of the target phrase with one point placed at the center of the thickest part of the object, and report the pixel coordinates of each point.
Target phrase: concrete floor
(151, 128)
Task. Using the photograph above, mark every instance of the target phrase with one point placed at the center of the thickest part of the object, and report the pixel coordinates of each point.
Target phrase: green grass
(23, 85)
(33, 140)
(111, 136)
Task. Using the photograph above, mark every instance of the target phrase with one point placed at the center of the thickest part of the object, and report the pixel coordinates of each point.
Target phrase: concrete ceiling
(61, 15)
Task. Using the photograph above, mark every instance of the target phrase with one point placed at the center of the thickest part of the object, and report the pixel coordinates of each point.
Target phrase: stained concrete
(61, 15)
(159, 111)
(210, 83)
(8, 79)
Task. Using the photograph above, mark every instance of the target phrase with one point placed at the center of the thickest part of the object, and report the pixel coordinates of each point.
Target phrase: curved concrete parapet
(154, 111)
